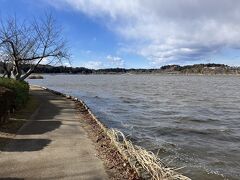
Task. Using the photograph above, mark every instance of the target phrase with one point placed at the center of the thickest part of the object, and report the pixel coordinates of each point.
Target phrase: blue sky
(141, 34)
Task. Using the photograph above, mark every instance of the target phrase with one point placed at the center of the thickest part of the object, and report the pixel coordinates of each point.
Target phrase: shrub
(21, 89)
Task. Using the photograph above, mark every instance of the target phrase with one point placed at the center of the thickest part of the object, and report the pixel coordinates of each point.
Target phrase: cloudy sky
(141, 33)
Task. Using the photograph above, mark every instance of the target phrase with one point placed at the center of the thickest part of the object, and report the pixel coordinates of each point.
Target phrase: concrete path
(53, 145)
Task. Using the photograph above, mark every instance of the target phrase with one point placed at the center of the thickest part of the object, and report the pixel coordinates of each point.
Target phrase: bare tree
(27, 44)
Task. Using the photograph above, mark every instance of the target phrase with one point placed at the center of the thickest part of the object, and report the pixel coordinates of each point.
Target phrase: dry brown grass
(146, 163)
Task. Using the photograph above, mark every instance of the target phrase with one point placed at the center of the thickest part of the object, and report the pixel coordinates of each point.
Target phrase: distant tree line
(169, 69)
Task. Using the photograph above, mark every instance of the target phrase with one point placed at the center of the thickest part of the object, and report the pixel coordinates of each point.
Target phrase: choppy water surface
(194, 121)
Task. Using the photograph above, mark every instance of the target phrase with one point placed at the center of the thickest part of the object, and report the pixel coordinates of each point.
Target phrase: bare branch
(28, 43)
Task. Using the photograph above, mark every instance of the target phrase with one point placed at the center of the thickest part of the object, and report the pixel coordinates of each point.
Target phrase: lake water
(193, 121)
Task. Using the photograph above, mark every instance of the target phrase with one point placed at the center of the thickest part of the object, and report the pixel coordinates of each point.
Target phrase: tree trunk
(23, 77)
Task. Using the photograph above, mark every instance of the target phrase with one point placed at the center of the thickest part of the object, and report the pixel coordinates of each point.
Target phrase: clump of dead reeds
(147, 164)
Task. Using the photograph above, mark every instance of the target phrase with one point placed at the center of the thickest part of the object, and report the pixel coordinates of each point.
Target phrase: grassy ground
(16, 121)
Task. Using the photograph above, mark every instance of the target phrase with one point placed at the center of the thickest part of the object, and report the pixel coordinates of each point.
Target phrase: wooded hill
(169, 69)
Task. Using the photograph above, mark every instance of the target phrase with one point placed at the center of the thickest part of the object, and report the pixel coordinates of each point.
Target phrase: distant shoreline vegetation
(167, 69)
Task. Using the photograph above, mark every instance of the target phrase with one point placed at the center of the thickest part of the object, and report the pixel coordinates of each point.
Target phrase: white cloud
(115, 61)
(67, 64)
(44, 61)
(109, 62)
(93, 65)
(169, 30)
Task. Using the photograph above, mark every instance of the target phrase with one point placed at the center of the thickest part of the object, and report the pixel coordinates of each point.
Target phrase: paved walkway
(53, 145)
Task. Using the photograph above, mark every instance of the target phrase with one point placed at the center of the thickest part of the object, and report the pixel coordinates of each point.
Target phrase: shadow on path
(21, 145)
(40, 127)
(44, 120)
(9, 178)
(51, 145)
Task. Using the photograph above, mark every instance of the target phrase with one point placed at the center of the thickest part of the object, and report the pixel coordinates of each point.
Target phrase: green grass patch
(28, 109)
(21, 89)
(17, 120)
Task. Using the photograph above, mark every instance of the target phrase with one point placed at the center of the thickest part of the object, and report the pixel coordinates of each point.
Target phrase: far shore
(160, 74)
